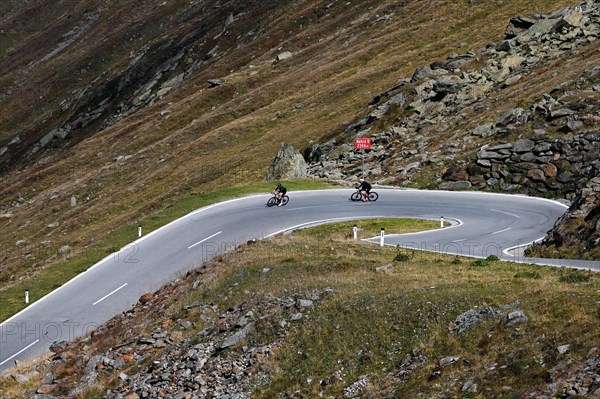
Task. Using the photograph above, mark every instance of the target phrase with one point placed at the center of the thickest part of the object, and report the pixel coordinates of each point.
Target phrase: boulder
(447, 361)
(288, 164)
(565, 177)
(536, 175)
(551, 170)
(559, 113)
(515, 317)
(523, 145)
(398, 100)
(527, 157)
(237, 337)
(283, 56)
(304, 303)
(455, 185)
(216, 82)
(515, 115)
(485, 130)
(485, 153)
(421, 73)
(518, 25)
(448, 85)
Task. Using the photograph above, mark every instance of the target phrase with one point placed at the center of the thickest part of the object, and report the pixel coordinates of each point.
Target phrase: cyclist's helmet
(361, 180)
(279, 185)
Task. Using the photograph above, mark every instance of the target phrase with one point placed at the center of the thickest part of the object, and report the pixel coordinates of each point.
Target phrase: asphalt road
(482, 224)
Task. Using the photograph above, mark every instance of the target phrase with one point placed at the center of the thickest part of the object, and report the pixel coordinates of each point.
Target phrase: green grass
(368, 228)
(576, 276)
(47, 280)
(374, 320)
(528, 274)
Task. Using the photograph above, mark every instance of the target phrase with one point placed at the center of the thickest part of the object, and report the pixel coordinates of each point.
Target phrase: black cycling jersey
(364, 186)
(281, 190)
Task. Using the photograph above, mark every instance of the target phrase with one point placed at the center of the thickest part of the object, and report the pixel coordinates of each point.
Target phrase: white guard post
(27, 296)
(441, 222)
(381, 242)
(139, 230)
(355, 231)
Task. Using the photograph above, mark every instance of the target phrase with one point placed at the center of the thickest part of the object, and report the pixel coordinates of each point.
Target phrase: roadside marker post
(139, 230)
(381, 242)
(27, 296)
(355, 231)
(441, 222)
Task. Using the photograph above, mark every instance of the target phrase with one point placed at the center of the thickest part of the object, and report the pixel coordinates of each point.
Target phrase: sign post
(362, 143)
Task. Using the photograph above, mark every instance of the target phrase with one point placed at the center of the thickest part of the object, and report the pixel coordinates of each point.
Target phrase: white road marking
(506, 213)
(464, 239)
(500, 231)
(206, 239)
(107, 295)
(253, 196)
(21, 351)
(301, 208)
(508, 251)
(322, 221)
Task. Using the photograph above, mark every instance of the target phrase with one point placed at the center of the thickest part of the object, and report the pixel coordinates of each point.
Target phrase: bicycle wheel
(356, 196)
(373, 196)
(272, 202)
(284, 200)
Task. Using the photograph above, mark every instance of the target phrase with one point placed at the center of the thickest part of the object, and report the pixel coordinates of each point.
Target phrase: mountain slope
(520, 115)
(114, 111)
(115, 151)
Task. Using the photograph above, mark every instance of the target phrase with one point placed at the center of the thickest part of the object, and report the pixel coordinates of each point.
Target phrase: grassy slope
(215, 138)
(70, 264)
(374, 319)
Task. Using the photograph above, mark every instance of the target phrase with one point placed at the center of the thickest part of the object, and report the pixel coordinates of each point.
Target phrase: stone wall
(539, 164)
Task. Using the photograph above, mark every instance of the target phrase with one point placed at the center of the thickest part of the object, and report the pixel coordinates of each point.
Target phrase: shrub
(576, 276)
(492, 258)
(534, 275)
(480, 262)
(402, 257)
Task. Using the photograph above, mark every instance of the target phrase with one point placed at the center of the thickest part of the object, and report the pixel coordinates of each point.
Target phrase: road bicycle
(358, 196)
(274, 201)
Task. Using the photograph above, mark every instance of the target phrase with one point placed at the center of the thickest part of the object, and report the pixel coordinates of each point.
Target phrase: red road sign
(362, 143)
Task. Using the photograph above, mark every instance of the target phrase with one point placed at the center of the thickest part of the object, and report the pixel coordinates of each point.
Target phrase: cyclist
(279, 193)
(365, 189)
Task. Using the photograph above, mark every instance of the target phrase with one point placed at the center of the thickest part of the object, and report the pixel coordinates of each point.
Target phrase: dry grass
(216, 138)
(374, 319)
(32, 370)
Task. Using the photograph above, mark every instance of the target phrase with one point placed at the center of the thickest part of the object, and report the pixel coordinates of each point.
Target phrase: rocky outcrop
(288, 164)
(418, 128)
(433, 102)
(207, 352)
(187, 42)
(579, 228)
